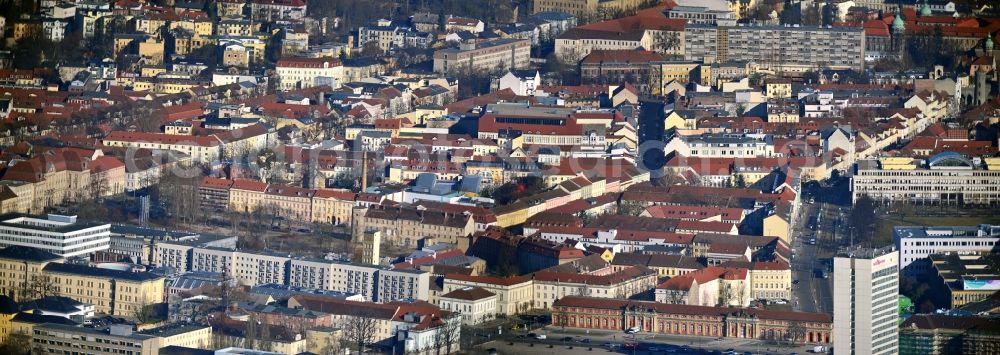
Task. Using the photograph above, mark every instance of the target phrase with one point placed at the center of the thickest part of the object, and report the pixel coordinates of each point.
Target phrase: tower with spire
(925, 10)
(898, 32)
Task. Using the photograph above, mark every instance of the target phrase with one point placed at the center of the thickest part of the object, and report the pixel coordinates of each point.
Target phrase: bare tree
(451, 330)
(796, 331)
(359, 330)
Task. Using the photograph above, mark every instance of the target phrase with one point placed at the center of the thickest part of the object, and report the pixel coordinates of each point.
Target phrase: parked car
(540, 336)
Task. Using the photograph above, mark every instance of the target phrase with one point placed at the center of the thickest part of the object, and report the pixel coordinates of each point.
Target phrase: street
(648, 344)
(810, 293)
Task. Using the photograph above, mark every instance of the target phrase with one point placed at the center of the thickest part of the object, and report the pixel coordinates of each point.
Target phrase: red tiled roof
(611, 304)
(491, 280)
(308, 63)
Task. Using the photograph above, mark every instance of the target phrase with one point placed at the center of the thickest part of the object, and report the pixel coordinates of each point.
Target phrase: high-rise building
(865, 302)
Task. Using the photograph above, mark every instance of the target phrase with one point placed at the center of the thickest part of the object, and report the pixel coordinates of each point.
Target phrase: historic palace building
(660, 318)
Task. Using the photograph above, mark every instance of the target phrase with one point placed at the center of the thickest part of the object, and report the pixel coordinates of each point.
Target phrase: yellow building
(152, 50)
(680, 120)
(770, 280)
(663, 73)
(114, 292)
(778, 89)
(8, 309)
(332, 206)
(514, 294)
(32, 273)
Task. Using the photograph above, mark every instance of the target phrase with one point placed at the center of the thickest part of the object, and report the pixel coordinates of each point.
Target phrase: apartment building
(514, 294)
(778, 48)
(277, 10)
(722, 145)
(917, 243)
(213, 259)
(403, 284)
(356, 278)
(259, 268)
(946, 178)
(57, 234)
(491, 56)
(297, 73)
(866, 302)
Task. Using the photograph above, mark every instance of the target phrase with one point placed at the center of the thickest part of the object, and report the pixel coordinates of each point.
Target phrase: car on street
(585, 341)
(632, 330)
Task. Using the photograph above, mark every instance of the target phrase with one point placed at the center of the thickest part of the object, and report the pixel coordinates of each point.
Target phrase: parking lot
(575, 341)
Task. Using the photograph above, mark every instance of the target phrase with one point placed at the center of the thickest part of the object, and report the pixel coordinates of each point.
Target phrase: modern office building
(915, 244)
(946, 178)
(57, 234)
(779, 48)
(866, 301)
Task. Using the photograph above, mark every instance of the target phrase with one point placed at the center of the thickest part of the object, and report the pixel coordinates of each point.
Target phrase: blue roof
(949, 156)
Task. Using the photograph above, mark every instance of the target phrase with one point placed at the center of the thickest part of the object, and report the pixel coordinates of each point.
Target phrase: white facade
(916, 243)
(520, 85)
(473, 311)
(866, 302)
(722, 146)
(299, 73)
(60, 235)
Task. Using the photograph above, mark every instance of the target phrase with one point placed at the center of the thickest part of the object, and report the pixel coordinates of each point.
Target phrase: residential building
(866, 302)
(57, 234)
(491, 56)
(403, 284)
(916, 243)
(297, 73)
(778, 48)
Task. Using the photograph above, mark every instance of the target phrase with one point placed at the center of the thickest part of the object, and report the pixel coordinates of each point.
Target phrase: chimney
(364, 171)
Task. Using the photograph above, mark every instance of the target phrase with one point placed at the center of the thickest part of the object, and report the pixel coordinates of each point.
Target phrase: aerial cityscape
(429, 177)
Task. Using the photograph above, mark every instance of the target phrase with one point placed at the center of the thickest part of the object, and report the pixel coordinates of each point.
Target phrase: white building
(866, 302)
(475, 304)
(297, 73)
(57, 234)
(722, 146)
(947, 178)
(403, 284)
(522, 83)
(916, 243)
